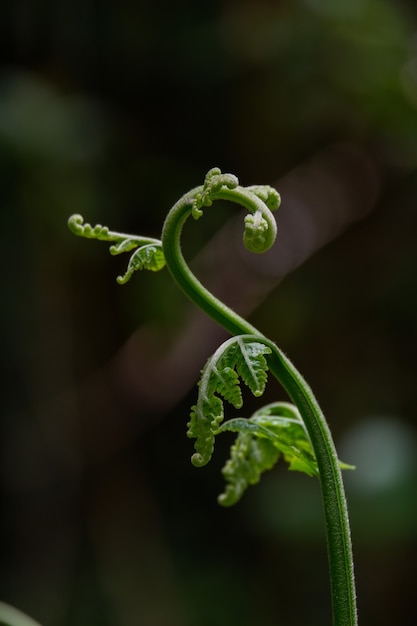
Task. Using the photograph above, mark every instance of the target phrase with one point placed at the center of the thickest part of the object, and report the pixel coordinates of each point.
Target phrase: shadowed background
(114, 110)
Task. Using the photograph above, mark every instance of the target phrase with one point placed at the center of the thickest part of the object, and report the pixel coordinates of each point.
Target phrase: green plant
(298, 432)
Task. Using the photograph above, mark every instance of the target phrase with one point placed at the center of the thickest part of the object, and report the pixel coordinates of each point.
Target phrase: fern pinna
(239, 357)
(297, 431)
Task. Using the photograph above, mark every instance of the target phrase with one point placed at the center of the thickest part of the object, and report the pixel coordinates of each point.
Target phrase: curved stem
(339, 545)
(334, 500)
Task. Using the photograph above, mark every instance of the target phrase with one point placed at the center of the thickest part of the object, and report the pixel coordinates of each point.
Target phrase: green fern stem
(334, 500)
(339, 543)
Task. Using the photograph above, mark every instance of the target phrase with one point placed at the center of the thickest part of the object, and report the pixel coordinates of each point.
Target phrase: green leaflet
(250, 456)
(274, 430)
(149, 257)
(239, 357)
(148, 254)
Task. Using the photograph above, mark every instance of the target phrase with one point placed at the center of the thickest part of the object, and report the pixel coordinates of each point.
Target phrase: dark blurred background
(114, 110)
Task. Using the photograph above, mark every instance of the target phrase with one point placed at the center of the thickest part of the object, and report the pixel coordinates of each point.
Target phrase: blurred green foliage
(114, 110)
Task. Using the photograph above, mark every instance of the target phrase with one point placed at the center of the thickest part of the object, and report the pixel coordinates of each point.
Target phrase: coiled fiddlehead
(300, 433)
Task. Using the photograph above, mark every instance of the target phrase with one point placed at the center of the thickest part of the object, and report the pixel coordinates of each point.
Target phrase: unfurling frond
(213, 183)
(240, 357)
(148, 252)
(250, 456)
(256, 232)
(274, 430)
(267, 194)
(149, 257)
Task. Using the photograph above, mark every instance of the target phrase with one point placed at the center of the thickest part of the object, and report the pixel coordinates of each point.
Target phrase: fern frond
(241, 356)
(274, 430)
(250, 456)
(251, 364)
(225, 381)
(149, 257)
(148, 254)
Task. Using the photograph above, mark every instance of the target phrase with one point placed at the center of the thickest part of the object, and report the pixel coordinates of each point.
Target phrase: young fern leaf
(148, 252)
(274, 430)
(148, 257)
(239, 357)
(250, 456)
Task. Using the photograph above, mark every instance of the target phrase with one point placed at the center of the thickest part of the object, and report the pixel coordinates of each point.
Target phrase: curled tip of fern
(75, 223)
(215, 180)
(198, 460)
(78, 227)
(123, 279)
(259, 234)
(273, 200)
